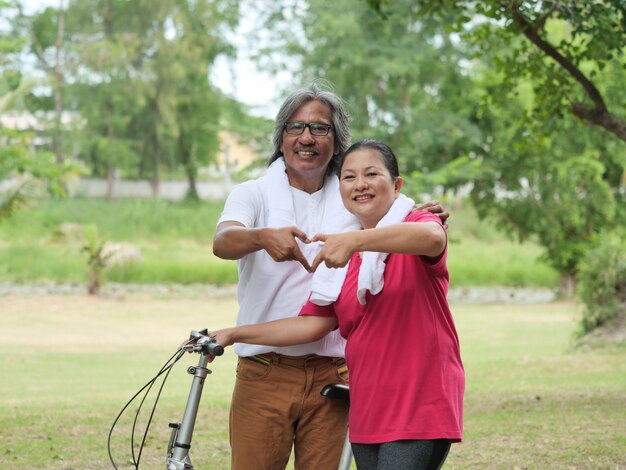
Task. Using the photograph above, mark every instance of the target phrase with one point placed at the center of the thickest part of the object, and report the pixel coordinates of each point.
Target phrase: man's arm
(234, 241)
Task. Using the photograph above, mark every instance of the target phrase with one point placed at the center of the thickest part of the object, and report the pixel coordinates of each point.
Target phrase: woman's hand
(337, 249)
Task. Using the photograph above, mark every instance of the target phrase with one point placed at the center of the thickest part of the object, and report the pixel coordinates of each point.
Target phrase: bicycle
(177, 457)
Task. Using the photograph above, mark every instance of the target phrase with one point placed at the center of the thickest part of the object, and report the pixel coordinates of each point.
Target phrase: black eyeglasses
(316, 128)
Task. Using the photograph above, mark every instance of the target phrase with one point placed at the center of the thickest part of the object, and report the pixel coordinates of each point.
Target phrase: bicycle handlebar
(200, 341)
(212, 347)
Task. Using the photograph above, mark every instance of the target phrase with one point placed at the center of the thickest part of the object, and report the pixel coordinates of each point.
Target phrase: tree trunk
(156, 177)
(57, 138)
(110, 182)
(192, 192)
(567, 283)
(598, 114)
(94, 283)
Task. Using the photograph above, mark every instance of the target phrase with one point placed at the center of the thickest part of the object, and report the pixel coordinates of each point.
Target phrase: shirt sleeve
(310, 308)
(438, 263)
(243, 205)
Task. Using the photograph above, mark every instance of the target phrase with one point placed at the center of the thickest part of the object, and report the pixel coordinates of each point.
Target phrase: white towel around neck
(280, 202)
(327, 282)
(279, 196)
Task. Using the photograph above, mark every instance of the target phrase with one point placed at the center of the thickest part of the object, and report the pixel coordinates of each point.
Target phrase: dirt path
(71, 322)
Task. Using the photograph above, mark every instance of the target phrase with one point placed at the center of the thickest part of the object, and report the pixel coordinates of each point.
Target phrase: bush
(602, 284)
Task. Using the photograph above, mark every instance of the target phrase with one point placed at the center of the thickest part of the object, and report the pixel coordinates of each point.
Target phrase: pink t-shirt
(406, 376)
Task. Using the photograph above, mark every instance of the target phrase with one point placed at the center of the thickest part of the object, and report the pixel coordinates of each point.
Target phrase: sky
(237, 78)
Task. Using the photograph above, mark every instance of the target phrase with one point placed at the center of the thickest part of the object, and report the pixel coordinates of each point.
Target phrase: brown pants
(278, 405)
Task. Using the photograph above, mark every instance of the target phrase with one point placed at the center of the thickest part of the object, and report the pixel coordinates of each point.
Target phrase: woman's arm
(285, 332)
(413, 238)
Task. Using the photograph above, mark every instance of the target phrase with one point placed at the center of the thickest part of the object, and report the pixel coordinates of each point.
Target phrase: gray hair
(316, 91)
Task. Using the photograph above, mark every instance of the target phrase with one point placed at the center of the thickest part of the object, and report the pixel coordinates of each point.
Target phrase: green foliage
(561, 46)
(102, 48)
(44, 29)
(14, 148)
(253, 130)
(173, 239)
(465, 97)
(41, 263)
(480, 256)
(97, 258)
(137, 75)
(33, 173)
(11, 200)
(191, 264)
(180, 44)
(602, 284)
(401, 75)
(547, 189)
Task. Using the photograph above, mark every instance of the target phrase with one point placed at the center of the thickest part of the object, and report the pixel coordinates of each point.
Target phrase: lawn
(40, 244)
(70, 363)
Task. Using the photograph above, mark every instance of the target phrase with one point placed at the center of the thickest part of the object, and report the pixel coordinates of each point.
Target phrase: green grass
(129, 220)
(479, 255)
(534, 401)
(175, 243)
(91, 357)
(474, 262)
(174, 240)
(70, 363)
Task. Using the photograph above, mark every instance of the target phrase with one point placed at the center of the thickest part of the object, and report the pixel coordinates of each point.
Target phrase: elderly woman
(384, 286)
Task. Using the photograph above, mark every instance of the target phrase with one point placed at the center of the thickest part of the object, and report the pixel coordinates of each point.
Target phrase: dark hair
(319, 90)
(387, 155)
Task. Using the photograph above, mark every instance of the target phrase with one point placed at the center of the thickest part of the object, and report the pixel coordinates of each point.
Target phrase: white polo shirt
(270, 290)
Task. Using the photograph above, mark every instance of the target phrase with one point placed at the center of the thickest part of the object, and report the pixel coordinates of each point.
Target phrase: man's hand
(234, 241)
(336, 251)
(435, 207)
(281, 245)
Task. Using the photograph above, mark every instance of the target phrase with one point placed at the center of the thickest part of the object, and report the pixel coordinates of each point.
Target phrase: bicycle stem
(180, 441)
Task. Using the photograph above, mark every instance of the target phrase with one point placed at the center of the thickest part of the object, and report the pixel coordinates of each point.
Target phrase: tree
(18, 159)
(548, 188)
(562, 67)
(162, 109)
(101, 54)
(47, 35)
(552, 163)
(401, 76)
(182, 39)
(13, 151)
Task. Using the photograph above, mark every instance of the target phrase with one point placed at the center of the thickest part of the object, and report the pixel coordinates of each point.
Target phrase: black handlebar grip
(215, 349)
